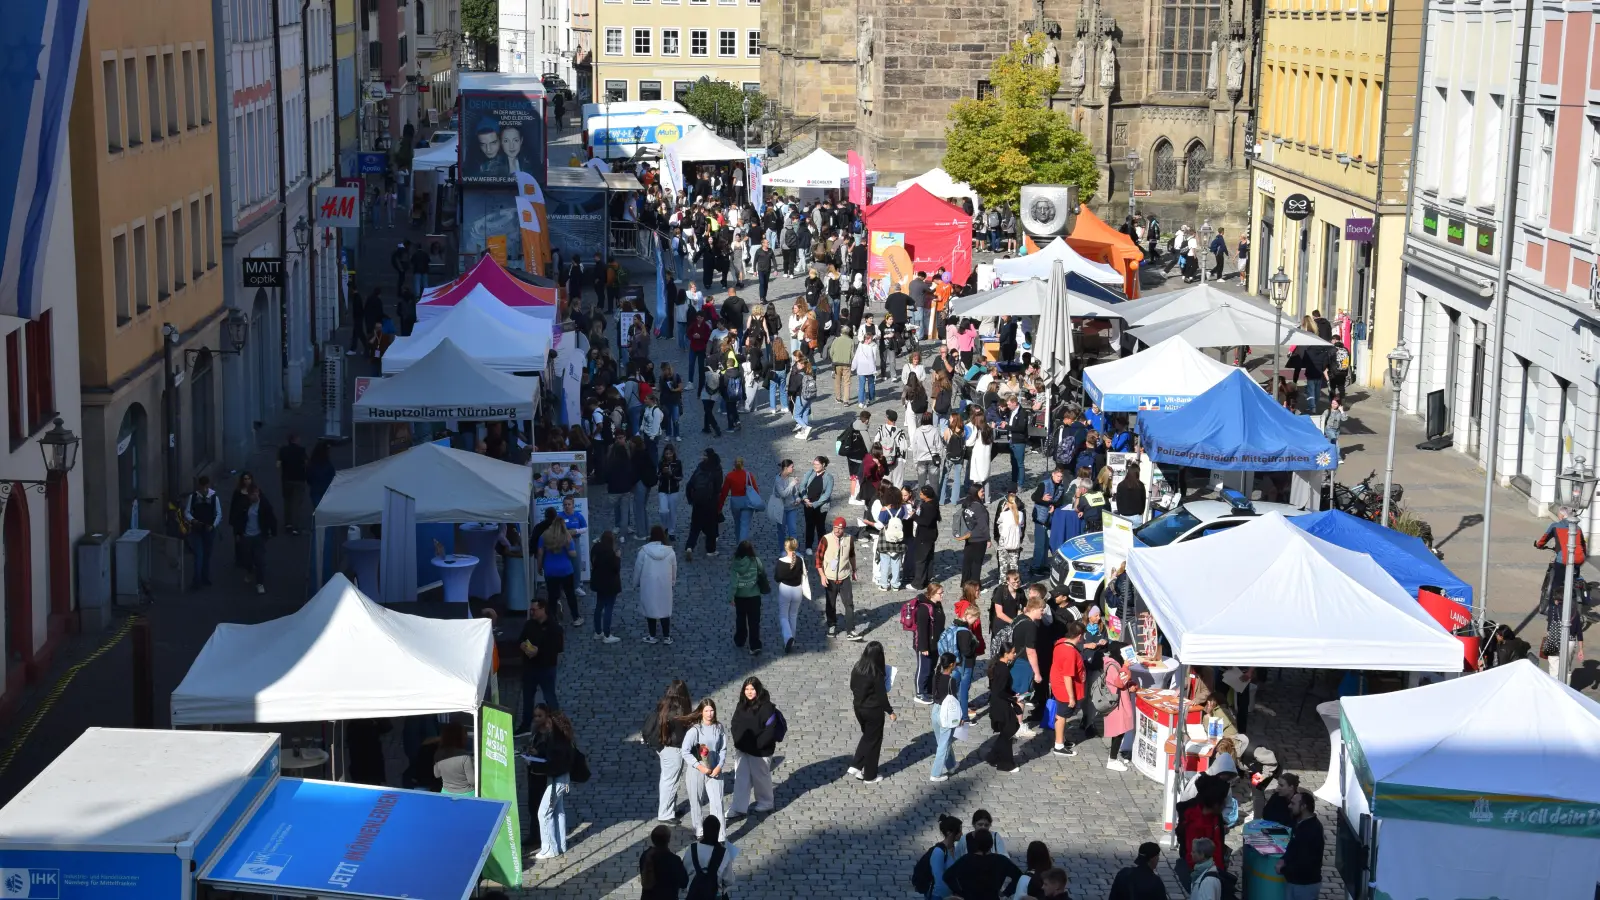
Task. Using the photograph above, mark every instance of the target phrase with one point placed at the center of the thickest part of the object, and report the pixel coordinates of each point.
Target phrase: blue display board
(87, 875)
(322, 838)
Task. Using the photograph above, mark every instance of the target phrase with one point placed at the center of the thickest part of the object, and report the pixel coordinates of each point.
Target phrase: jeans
(1314, 387)
(924, 684)
(1041, 546)
(1018, 469)
(709, 422)
(669, 516)
(621, 505)
(888, 572)
(200, 542)
(775, 392)
(255, 553)
(557, 585)
(944, 755)
(697, 365)
(641, 510)
(963, 675)
(635, 413)
(917, 321)
(1302, 891)
(419, 282)
(762, 278)
(791, 522)
(603, 607)
(731, 408)
(673, 414)
(747, 622)
(802, 412)
(537, 678)
(683, 335)
(741, 525)
(553, 816)
(952, 478)
(867, 388)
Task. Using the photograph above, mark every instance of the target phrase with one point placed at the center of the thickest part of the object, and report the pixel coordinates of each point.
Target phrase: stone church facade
(1170, 81)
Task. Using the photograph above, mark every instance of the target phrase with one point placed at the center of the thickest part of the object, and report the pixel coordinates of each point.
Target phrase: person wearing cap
(1140, 881)
(836, 564)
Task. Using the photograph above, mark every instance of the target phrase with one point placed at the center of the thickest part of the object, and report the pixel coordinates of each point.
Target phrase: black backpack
(922, 873)
(703, 884)
(700, 486)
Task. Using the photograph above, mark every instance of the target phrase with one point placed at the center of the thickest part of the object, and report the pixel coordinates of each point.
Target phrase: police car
(1080, 562)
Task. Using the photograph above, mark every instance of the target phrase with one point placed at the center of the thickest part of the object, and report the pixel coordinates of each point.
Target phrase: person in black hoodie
(606, 578)
(1140, 881)
(924, 538)
(869, 694)
(644, 478)
(620, 477)
(925, 639)
(669, 481)
(755, 736)
(661, 873)
(982, 874)
(1005, 713)
(705, 513)
(975, 526)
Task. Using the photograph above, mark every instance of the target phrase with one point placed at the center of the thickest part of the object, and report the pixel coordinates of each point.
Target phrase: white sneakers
(1116, 765)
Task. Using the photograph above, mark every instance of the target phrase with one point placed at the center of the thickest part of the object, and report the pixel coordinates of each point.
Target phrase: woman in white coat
(655, 575)
(980, 443)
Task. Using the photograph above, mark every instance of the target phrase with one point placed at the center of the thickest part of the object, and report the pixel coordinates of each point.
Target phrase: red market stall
(935, 233)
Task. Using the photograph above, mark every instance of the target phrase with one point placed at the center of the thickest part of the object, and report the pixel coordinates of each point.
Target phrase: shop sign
(263, 271)
(1359, 230)
(1297, 208)
(1485, 239)
(1430, 221)
(1455, 231)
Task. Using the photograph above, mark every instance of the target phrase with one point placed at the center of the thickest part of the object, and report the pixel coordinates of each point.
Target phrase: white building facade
(536, 38)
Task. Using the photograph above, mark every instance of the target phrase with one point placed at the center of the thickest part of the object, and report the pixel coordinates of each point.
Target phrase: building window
(649, 90)
(641, 42)
(1591, 198)
(1185, 43)
(1461, 136)
(727, 42)
(616, 90)
(162, 249)
(752, 43)
(41, 371)
(613, 41)
(211, 232)
(113, 106)
(177, 248)
(205, 86)
(202, 405)
(680, 89)
(195, 268)
(699, 42)
(670, 42)
(697, 2)
(119, 276)
(985, 89)
(1164, 171)
(14, 405)
(1195, 160)
(1545, 164)
(130, 78)
(190, 104)
(152, 83)
(141, 272)
(169, 76)
(1438, 105)
(1330, 266)
(1489, 166)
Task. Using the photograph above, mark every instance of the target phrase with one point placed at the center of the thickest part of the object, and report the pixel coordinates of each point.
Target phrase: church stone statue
(1075, 69)
(1211, 70)
(864, 38)
(1108, 64)
(1236, 67)
(1051, 58)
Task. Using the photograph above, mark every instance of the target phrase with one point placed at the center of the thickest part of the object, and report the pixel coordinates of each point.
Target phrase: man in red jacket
(1068, 685)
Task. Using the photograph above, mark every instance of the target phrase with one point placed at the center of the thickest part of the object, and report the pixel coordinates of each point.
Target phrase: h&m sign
(263, 271)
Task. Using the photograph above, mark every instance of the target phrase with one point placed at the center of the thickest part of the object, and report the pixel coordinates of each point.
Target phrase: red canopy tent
(935, 233)
(506, 287)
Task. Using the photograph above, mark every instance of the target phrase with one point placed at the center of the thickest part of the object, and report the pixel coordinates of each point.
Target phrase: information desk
(1156, 714)
(1264, 844)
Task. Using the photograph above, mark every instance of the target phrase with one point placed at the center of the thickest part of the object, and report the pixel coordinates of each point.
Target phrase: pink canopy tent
(535, 299)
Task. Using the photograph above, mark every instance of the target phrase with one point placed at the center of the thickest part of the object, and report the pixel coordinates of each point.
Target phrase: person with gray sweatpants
(705, 752)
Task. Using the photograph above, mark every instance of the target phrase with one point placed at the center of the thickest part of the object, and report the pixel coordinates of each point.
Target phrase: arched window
(1195, 160)
(1164, 172)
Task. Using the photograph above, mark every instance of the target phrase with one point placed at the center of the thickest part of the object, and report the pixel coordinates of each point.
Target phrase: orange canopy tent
(1100, 242)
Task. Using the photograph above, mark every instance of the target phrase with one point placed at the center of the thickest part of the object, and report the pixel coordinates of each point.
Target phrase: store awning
(321, 839)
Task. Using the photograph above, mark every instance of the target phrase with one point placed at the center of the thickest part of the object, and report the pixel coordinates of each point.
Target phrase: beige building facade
(146, 207)
(657, 49)
(1338, 105)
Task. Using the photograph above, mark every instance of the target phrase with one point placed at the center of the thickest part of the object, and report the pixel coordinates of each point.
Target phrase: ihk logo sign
(32, 884)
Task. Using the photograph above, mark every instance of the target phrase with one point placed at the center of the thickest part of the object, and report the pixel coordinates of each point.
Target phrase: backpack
(850, 444)
(700, 486)
(908, 614)
(947, 641)
(703, 884)
(895, 441)
(780, 725)
(922, 873)
(1101, 695)
(894, 533)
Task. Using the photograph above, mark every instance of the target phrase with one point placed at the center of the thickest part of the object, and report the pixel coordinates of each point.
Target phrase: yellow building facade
(657, 49)
(1338, 101)
(146, 193)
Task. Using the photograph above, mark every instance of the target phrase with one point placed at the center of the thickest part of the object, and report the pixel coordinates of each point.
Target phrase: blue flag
(661, 283)
(756, 169)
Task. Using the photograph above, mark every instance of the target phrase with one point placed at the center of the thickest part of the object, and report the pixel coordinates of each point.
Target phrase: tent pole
(527, 562)
(317, 537)
(1169, 786)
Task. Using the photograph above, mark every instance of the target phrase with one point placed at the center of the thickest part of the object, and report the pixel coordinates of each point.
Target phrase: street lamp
(1205, 248)
(1574, 492)
(1280, 296)
(302, 234)
(60, 448)
(234, 328)
(1399, 364)
(1132, 160)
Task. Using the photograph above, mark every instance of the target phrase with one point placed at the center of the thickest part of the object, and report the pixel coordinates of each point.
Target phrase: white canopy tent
(1268, 594)
(448, 485)
(1484, 784)
(1037, 265)
(1027, 298)
(818, 169)
(529, 317)
(439, 155)
(447, 384)
(341, 656)
(938, 182)
(487, 338)
(1165, 377)
(703, 145)
(1189, 302)
(1228, 325)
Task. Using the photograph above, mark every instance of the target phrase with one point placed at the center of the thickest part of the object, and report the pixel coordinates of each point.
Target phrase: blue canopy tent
(1405, 557)
(1234, 426)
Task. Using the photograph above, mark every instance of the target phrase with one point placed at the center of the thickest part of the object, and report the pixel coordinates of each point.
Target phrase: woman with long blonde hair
(557, 557)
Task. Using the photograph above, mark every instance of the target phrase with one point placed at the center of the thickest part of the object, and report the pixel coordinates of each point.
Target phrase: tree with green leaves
(720, 104)
(1012, 137)
(480, 23)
